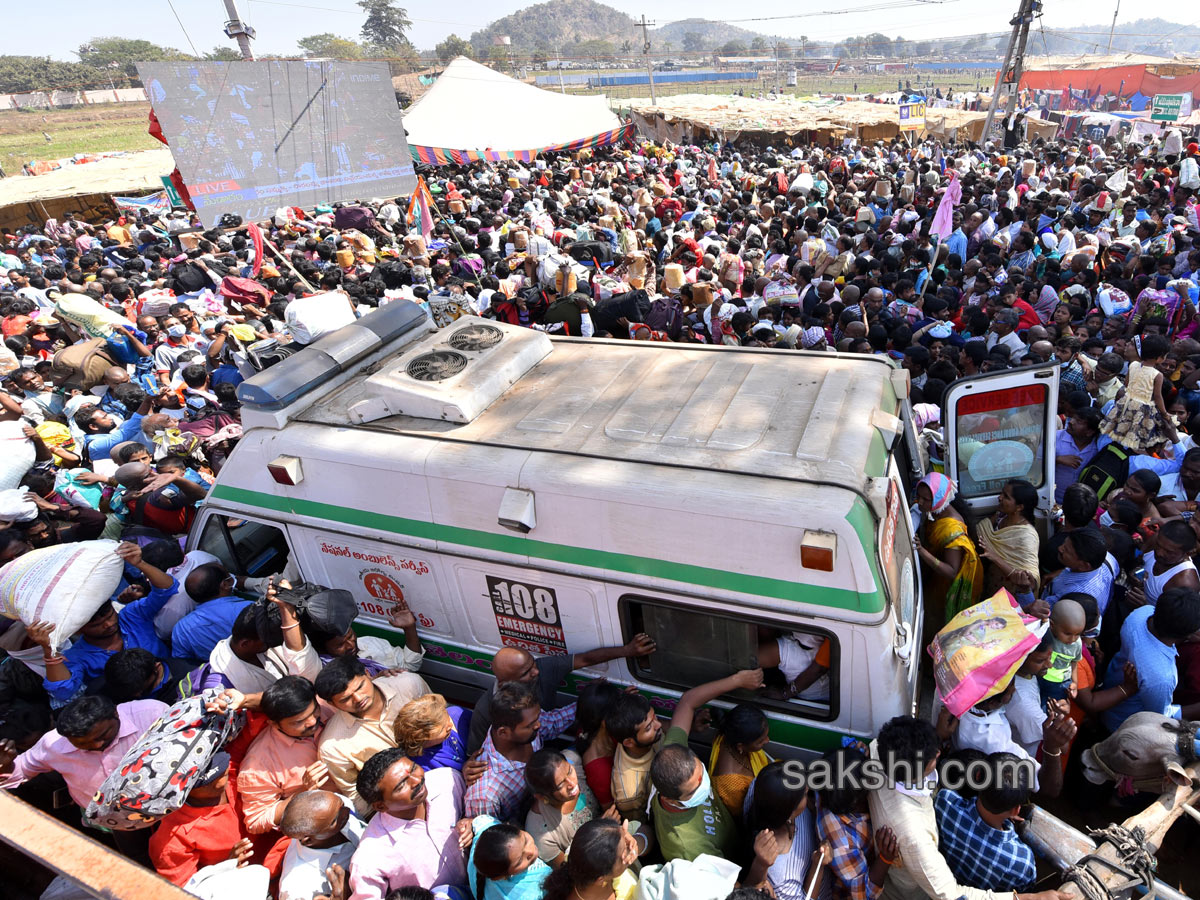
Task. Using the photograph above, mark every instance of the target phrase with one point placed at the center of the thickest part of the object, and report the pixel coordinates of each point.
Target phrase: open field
(122, 126)
(85, 129)
(860, 82)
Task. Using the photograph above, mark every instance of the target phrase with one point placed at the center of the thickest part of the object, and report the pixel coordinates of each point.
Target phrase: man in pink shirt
(282, 760)
(92, 736)
(417, 837)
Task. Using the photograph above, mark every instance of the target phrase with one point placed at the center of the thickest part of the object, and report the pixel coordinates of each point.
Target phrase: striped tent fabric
(440, 156)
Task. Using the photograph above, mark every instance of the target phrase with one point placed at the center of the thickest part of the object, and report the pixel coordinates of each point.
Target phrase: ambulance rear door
(1001, 426)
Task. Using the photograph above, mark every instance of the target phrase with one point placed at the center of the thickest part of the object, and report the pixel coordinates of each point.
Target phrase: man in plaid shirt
(1072, 375)
(519, 728)
(977, 837)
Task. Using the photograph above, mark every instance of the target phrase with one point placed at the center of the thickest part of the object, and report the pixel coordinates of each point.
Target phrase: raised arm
(293, 637)
(641, 645)
(685, 709)
(132, 554)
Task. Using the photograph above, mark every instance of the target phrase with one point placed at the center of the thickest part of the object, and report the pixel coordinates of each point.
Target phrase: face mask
(177, 331)
(701, 794)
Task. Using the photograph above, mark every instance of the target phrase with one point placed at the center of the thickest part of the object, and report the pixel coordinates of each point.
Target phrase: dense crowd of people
(124, 343)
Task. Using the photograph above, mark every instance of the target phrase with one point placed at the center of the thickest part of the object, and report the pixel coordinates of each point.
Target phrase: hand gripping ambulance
(563, 494)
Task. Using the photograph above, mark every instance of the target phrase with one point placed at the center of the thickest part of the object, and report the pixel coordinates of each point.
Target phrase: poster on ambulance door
(380, 579)
(527, 616)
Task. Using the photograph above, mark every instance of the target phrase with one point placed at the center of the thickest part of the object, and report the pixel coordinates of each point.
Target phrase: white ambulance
(563, 494)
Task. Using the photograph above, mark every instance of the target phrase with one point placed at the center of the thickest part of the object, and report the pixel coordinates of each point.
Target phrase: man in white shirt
(1003, 332)
(907, 809)
(985, 727)
(1025, 711)
(324, 832)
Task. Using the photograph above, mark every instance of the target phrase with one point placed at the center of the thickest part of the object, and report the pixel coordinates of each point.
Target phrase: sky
(280, 23)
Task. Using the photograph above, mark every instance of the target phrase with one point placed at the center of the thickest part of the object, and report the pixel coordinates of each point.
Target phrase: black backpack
(536, 301)
(1108, 470)
(189, 278)
(588, 251)
(632, 305)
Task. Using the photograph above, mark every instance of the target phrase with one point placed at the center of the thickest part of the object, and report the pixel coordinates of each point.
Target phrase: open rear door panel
(1001, 426)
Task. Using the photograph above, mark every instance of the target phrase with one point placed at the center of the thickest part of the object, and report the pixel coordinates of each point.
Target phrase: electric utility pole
(1014, 63)
(645, 26)
(238, 30)
(1116, 12)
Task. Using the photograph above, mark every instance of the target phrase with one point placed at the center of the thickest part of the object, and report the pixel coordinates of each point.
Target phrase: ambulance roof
(784, 414)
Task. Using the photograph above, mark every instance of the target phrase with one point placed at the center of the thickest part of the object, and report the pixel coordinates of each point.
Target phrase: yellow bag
(57, 436)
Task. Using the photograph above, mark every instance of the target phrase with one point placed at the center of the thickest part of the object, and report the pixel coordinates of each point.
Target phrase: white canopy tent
(472, 111)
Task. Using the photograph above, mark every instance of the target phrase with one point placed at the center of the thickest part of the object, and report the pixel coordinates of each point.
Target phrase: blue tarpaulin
(670, 78)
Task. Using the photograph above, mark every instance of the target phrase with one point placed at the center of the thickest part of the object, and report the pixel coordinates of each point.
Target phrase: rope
(1134, 862)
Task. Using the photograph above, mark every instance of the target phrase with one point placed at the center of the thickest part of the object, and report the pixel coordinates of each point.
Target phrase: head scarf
(810, 337)
(942, 488)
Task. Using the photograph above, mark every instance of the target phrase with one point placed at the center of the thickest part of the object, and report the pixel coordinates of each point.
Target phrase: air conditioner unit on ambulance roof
(454, 374)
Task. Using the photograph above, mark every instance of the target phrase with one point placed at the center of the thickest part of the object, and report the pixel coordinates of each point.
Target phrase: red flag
(781, 182)
(256, 238)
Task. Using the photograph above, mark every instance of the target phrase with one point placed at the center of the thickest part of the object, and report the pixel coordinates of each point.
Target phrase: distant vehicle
(667, 66)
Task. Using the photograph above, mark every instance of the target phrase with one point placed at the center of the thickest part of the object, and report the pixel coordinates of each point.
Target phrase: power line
(843, 11)
(195, 52)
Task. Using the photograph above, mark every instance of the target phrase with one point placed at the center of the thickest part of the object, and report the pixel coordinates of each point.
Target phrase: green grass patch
(86, 129)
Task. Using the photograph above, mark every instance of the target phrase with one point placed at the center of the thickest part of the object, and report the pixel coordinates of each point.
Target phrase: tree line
(111, 62)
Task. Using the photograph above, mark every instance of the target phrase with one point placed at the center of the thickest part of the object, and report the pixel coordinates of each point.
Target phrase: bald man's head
(513, 664)
(156, 422)
(132, 475)
(115, 375)
(315, 818)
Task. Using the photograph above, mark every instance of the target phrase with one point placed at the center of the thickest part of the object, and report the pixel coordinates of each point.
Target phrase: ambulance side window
(247, 548)
(696, 646)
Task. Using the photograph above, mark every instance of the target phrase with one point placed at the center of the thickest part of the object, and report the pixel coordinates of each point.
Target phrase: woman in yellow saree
(737, 755)
(948, 553)
(1010, 542)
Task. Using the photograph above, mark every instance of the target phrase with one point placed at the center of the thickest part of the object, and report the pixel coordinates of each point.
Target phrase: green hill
(560, 24)
(701, 34)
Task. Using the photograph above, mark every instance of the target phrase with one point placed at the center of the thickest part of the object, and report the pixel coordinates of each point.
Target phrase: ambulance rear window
(696, 645)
